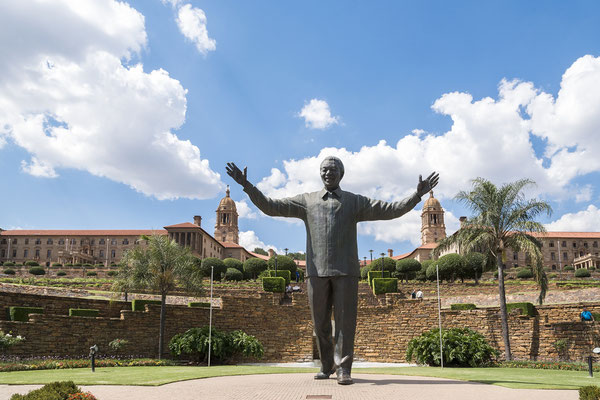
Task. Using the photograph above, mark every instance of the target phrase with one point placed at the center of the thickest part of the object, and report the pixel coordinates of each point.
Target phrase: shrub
(51, 391)
(77, 264)
(589, 393)
(83, 312)
(8, 264)
(61, 273)
(118, 344)
(385, 285)
(32, 264)
(37, 271)
(81, 396)
(376, 274)
(283, 263)
(364, 271)
(254, 266)
(217, 265)
(8, 340)
(271, 284)
(463, 306)
(22, 313)
(247, 345)
(407, 268)
(451, 266)
(57, 265)
(582, 273)
(87, 265)
(91, 273)
(9, 271)
(462, 347)
(202, 304)
(285, 274)
(234, 263)
(389, 264)
(525, 273)
(68, 265)
(526, 308)
(474, 265)
(569, 268)
(140, 305)
(112, 273)
(97, 266)
(233, 274)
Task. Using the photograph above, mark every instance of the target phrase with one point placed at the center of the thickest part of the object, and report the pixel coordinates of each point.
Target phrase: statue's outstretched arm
(424, 186)
(237, 175)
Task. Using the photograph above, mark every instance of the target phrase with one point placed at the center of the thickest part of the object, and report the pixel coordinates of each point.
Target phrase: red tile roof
(183, 225)
(75, 232)
(569, 235)
(230, 245)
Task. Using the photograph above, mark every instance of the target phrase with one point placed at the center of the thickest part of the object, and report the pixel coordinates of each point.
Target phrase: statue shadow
(391, 381)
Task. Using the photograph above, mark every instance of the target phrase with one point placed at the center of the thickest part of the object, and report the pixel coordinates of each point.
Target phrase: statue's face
(330, 175)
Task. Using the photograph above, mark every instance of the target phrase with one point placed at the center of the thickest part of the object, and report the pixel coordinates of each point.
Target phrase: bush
(285, 274)
(462, 347)
(68, 265)
(91, 273)
(32, 264)
(364, 271)
(569, 268)
(87, 265)
(283, 263)
(474, 265)
(376, 274)
(526, 308)
(202, 304)
(233, 274)
(273, 284)
(451, 266)
(118, 344)
(37, 271)
(140, 305)
(22, 313)
(9, 271)
(254, 266)
(407, 268)
(77, 264)
(525, 273)
(431, 272)
(51, 391)
(582, 273)
(61, 273)
(194, 342)
(57, 265)
(589, 393)
(112, 273)
(389, 264)
(234, 263)
(8, 264)
(385, 285)
(83, 312)
(463, 306)
(218, 267)
(98, 266)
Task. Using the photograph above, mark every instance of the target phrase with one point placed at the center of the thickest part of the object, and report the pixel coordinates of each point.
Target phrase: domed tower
(226, 229)
(432, 221)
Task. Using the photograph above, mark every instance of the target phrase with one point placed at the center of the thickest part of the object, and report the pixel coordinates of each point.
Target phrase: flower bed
(40, 364)
(557, 365)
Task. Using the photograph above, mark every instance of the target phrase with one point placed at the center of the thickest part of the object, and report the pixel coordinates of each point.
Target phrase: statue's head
(332, 172)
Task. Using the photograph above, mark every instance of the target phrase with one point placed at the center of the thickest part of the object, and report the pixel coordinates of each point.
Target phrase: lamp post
(382, 259)
(371, 251)
(286, 250)
(212, 269)
(365, 260)
(437, 273)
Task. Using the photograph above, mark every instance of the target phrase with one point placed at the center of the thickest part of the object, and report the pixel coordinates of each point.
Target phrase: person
(419, 295)
(297, 276)
(586, 315)
(413, 295)
(331, 216)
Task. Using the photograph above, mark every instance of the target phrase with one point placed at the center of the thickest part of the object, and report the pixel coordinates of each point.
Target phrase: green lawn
(517, 378)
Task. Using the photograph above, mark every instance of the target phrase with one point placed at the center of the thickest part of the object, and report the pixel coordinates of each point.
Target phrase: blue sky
(123, 115)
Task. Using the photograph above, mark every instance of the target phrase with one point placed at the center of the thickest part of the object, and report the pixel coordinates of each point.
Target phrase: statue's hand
(237, 175)
(426, 185)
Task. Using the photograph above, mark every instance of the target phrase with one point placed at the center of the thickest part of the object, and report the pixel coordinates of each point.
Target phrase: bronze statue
(332, 267)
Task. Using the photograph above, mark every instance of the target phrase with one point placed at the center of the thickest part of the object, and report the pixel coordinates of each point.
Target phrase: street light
(286, 249)
(365, 260)
(371, 251)
(382, 274)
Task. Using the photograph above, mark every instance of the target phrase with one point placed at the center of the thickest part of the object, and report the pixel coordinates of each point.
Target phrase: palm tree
(161, 266)
(502, 219)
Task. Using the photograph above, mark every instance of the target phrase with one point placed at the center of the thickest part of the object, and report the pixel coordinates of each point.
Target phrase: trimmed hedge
(32, 264)
(463, 306)
(9, 264)
(283, 273)
(140, 305)
(234, 274)
(274, 284)
(61, 273)
(589, 393)
(385, 285)
(37, 271)
(83, 312)
(525, 273)
(569, 268)
(203, 304)
(376, 274)
(51, 391)
(22, 313)
(9, 271)
(57, 265)
(91, 273)
(526, 308)
(582, 273)
(112, 273)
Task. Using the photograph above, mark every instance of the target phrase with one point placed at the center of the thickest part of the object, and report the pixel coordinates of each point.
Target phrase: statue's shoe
(322, 375)
(343, 377)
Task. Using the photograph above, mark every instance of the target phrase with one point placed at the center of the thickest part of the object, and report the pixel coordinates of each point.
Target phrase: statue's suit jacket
(330, 219)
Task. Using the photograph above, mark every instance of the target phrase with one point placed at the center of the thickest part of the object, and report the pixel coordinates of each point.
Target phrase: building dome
(432, 203)
(227, 202)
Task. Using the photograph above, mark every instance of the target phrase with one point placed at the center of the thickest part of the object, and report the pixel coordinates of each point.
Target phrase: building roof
(569, 235)
(432, 202)
(77, 232)
(230, 245)
(227, 202)
(266, 258)
(183, 225)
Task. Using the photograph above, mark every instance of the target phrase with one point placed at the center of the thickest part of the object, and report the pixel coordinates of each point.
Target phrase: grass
(516, 378)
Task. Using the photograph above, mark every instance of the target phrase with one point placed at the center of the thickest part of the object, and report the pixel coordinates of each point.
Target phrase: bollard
(589, 359)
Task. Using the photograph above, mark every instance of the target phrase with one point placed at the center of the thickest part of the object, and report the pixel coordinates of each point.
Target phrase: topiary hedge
(463, 306)
(140, 305)
(9, 271)
(274, 284)
(285, 274)
(526, 308)
(22, 313)
(525, 273)
(218, 267)
(569, 268)
(32, 264)
(582, 273)
(254, 266)
(8, 264)
(202, 304)
(57, 265)
(376, 274)
(91, 273)
(112, 273)
(233, 274)
(234, 263)
(83, 312)
(37, 271)
(385, 285)
(61, 273)
(53, 391)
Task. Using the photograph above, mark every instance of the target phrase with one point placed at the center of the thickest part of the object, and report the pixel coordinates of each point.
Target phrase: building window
(49, 241)
(515, 256)
(113, 253)
(125, 241)
(564, 243)
(73, 241)
(574, 244)
(91, 252)
(101, 241)
(3, 241)
(551, 244)
(595, 244)
(14, 253)
(81, 242)
(49, 254)
(27, 241)
(61, 241)
(552, 256)
(38, 241)
(14, 241)
(92, 241)
(565, 256)
(585, 245)
(3, 253)
(101, 253)
(37, 253)
(553, 267)
(113, 242)
(25, 253)
(581, 254)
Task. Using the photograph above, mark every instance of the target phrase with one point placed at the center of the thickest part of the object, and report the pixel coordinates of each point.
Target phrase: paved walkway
(304, 387)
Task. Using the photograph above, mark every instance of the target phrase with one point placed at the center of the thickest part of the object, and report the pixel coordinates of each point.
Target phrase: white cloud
(192, 24)
(244, 210)
(317, 115)
(584, 194)
(67, 97)
(587, 220)
(249, 240)
(489, 138)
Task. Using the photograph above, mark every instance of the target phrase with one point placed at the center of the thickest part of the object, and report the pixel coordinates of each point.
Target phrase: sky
(123, 115)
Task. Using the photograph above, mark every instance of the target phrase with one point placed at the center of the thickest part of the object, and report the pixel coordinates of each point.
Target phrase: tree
(503, 218)
(283, 262)
(254, 266)
(217, 265)
(234, 263)
(260, 251)
(475, 264)
(297, 256)
(161, 266)
(389, 264)
(451, 267)
(407, 268)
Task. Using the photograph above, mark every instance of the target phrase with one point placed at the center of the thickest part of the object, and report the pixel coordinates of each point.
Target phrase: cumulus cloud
(244, 210)
(249, 240)
(317, 115)
(192, 24)
(489, 137)
(69, 97)
(587, 220)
